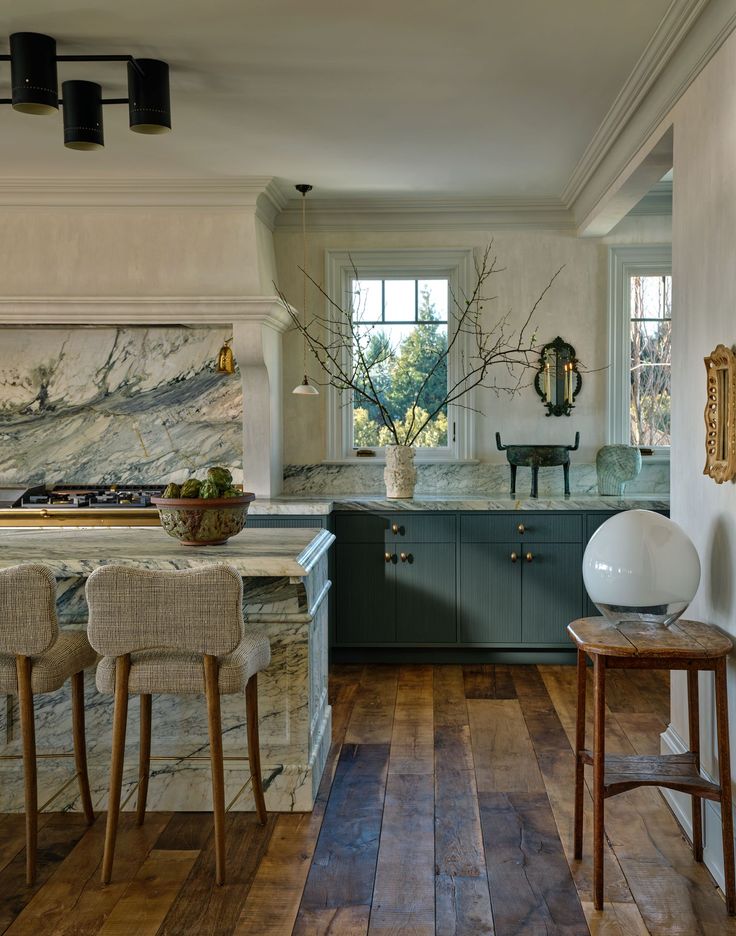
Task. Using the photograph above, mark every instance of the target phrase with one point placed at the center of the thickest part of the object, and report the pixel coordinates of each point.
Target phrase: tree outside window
(405, 325)
(651, 356)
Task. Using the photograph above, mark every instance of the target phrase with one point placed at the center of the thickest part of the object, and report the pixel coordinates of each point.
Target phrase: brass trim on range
(78, 516)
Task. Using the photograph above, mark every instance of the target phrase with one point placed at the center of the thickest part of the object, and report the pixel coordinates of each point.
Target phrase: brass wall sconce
(225, 359)
(720, 415)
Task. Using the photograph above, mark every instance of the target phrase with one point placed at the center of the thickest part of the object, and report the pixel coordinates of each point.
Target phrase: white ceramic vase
(400, 475)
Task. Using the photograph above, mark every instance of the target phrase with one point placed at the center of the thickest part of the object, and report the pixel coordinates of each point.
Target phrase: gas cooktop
(70, 496)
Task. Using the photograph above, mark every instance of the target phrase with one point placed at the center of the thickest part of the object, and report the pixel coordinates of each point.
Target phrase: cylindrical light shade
(149, 104)
(82, 102)
(35, 87)
(641, 566)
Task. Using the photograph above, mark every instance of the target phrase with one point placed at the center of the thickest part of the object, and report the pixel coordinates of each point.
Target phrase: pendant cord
(304, 276)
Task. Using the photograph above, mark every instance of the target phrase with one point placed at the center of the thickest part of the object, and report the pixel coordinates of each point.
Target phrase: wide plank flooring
(446, 808)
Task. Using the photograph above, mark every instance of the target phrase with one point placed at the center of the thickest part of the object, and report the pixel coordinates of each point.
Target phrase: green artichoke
(221, 477)
(208, 489)
(190, 488)
(172, 490)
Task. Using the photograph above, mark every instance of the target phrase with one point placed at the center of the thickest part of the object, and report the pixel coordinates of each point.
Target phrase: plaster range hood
(255, 314)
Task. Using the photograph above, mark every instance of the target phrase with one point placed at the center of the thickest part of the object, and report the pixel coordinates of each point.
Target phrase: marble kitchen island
(286, 583)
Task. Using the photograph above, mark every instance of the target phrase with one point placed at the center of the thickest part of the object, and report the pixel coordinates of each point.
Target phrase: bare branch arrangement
(340, 342)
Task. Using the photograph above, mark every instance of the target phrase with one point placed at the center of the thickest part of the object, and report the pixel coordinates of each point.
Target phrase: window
(640, 346)
(402, 307)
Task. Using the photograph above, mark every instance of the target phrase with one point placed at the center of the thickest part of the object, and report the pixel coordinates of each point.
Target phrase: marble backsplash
(127, 404)
(470, 478)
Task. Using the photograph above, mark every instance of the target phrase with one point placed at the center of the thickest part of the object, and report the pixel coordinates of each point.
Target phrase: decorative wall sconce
(720, 415)
(35, 90)
(558, 380)
(225, 359)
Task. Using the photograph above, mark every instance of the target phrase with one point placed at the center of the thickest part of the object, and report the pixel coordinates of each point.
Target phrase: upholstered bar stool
(36, 657)
(175, 632)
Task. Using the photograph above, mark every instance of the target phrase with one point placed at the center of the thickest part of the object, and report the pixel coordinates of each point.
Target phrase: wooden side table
(686, 645)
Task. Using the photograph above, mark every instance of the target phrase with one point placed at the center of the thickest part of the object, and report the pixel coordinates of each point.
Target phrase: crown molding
(416, 213)
(657, 201)
(260, 193)
(667, 38)
(197, 311)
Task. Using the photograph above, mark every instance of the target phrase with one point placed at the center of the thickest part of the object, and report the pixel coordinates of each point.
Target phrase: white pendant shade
(305, 388)
(641, 566)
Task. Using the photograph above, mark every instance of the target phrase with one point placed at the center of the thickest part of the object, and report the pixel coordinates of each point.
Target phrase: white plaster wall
(704, 298)
(134, 251)
(575, 308)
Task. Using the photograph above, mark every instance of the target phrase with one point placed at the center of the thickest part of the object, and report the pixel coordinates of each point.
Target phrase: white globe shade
(641, 566)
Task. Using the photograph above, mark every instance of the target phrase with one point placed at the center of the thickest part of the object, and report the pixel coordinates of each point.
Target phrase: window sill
(418, 460)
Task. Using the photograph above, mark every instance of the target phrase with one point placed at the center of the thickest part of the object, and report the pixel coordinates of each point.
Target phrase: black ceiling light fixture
(33, 68)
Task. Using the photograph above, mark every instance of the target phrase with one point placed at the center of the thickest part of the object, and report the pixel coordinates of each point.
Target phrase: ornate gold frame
(720, 415)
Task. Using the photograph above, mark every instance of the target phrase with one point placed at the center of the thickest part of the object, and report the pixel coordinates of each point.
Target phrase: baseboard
(680, 803)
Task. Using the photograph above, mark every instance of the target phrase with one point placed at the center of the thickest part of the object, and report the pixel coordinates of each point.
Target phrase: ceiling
(391, 97)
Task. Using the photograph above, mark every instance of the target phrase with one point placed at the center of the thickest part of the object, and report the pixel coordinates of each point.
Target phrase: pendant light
(304, 388)
(82, 115)
(33, 77)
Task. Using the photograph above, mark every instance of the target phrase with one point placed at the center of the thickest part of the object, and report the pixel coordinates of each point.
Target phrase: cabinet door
(489, 596)
(425, 593)
(552, 592)
(365, 592)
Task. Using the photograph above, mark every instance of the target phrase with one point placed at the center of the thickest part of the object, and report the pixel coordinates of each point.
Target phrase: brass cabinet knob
(521, 528)
(514, 557)
(529, 557)
(387, 557)
(403, 557)
(395, 528)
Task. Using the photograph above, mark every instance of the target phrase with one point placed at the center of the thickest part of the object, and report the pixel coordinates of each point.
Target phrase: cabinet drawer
(395, 528)
(521, 525)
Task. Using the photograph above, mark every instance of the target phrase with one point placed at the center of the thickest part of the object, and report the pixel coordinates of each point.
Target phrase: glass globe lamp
(642, 567)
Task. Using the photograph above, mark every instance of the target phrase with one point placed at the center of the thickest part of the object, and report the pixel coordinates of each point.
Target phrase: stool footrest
(674, 771)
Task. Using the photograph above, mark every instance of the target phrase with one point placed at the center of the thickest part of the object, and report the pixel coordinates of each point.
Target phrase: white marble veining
(286, 586)
(474, 478)
(115, 404)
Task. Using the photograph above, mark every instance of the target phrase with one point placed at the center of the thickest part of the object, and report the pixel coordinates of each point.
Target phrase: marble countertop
(305, 506)
(254, 553)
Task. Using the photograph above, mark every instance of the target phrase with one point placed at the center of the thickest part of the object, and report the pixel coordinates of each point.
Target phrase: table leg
(724, 769)
(566, 471)
(579, 766)
(535, 481)
(599, 768)
(693, 708)
(513, 479)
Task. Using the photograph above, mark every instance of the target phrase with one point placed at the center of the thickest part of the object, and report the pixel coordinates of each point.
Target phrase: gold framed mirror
(720, 415)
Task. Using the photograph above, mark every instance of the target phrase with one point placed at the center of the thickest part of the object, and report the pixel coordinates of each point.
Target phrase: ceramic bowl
(197, 521)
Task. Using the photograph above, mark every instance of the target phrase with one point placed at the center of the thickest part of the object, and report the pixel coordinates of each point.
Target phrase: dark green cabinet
(489, 596)
(395, 579)
(552, 591)
(425, 593)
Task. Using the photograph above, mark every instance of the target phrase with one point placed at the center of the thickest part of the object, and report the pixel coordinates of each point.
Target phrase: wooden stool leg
(144, 760)
(80, 745)
(254, 749)
(579, 766)
(120, 719)
(693, 708)
(212, 689)
(724, 767)
(599, 769)
(28, 731)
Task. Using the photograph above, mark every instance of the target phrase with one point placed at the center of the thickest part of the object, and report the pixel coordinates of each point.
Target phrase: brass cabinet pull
(387, 557)
(395, 528)
(406, 557)
(529, 557)
(514, 557)
(521, 528)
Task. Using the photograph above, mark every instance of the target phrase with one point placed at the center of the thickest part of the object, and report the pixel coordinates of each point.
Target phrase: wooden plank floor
(446, 808)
